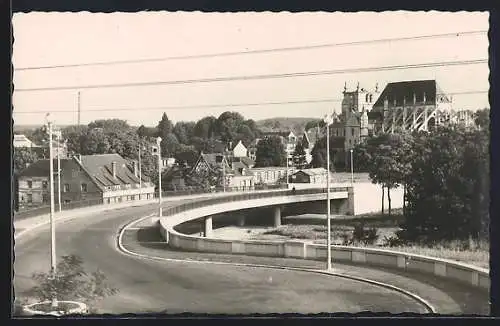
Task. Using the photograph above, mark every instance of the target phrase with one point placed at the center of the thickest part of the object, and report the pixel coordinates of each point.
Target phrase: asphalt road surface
(175, 287)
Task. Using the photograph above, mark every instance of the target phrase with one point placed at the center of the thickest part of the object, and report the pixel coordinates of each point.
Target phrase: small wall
(466, 274)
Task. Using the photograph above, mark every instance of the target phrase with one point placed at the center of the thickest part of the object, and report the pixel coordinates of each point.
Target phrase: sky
(44, 39)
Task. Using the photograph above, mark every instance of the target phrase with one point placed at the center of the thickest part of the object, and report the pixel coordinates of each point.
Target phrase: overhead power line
(257, 77)
(187, 107)
(273, 50)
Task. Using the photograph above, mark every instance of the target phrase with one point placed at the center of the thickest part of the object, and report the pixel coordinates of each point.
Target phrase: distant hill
(297, 125)
(23, 128)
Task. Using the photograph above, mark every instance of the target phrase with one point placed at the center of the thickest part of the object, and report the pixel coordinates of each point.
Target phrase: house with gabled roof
(315, 176)
(237, 174)
(108, 178)
(21, 141)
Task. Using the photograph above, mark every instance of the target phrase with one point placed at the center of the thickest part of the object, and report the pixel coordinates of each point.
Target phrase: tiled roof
(407, 89)
(248, 161)
(100, 168)
(315, 171)
(41, 168)
(211, 158)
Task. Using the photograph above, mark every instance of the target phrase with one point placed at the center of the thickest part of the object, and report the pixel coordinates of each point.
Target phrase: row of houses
(108, 178)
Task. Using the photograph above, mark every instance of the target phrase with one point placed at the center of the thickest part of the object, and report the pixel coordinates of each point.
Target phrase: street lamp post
(328, 120)
(287, 184)
(223, 174)
(158, 142)
(140, 174)
(352, 169)
(58, 134)
(52, 224)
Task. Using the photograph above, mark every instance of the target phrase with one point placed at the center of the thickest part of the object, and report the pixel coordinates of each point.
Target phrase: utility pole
(79, 108)
(158, 142)
(140, 174)
(328, 121)
(52, 225)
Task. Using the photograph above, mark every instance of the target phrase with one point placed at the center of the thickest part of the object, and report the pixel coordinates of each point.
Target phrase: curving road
(176, 287)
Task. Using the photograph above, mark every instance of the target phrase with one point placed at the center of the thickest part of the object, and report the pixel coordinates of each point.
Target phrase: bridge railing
(245, 196)
(41, 210)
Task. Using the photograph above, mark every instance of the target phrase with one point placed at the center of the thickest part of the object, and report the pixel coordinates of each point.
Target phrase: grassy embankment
(469, 252)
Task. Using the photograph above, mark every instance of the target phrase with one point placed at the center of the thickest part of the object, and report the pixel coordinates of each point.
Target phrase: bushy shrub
(393, 241)
(365, 236)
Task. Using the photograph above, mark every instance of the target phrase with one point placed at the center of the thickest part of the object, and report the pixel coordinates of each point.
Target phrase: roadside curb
(120, 247)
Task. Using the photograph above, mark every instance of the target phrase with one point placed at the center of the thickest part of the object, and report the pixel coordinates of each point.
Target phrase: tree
(169, 145)
(144, 131)
(318, 158)
(388, 161)
(165, 126)
(184, 131)
(270, 152)
(299, 156)
(186, 155)
(205, 128)
(360, 157)
(75, 136)
(95, 141)
(245, 134)
(110, 124)
(228, 124)
(482, 118)
(448, 188)
(24, 157)
(72, 282)
(205, 179)
(319, 155)
(313, 124)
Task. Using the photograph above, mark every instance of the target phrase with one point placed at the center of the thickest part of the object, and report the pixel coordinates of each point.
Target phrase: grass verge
(469, 252)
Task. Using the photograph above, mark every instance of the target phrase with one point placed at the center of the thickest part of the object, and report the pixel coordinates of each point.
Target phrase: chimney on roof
(113, 169)
(136, 170)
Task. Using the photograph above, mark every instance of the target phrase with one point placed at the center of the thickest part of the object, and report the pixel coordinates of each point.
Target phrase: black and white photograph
(241, 163)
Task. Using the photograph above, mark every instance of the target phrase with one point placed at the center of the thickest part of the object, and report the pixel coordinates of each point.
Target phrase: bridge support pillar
(241, 220)
(350, 201)
(277, 216)
(208, 226)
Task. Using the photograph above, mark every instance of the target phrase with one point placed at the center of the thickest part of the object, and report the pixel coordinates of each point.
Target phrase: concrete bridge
(303, 200)
(342, 203)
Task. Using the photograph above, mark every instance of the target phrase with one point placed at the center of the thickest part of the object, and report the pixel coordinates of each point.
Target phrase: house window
(30, 184)
(66, 187)
(352, 131)
(45, 184)
(45, 198)
(84, 187)
(30, 198)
